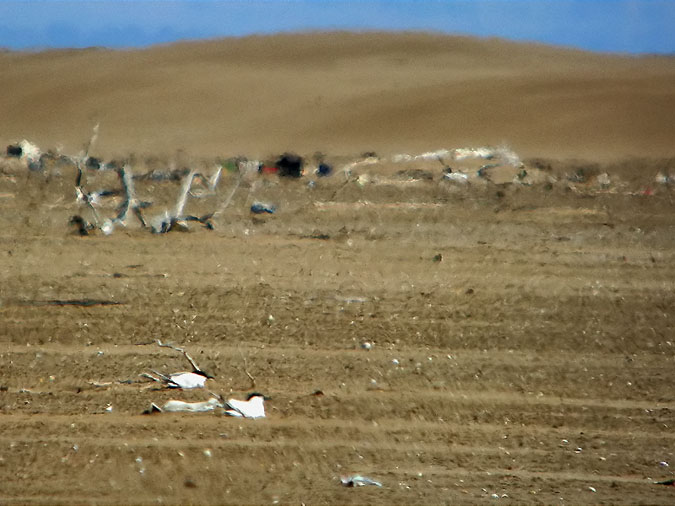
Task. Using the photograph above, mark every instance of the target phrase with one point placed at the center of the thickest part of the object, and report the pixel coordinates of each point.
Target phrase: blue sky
(630, 26)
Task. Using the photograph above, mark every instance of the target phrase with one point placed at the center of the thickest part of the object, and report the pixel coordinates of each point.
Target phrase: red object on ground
(268, 170)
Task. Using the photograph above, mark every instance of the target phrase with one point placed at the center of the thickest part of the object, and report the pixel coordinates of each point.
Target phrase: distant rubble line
(289, 163)
(500, 156)
(31, 153)
(503, 166)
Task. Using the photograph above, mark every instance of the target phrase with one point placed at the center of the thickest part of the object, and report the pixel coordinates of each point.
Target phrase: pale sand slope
(341, 93)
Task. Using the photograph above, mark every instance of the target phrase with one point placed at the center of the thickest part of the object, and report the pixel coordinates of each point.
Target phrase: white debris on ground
(457, 177)
(30, 152)
(357, 480)
(431, 155)
(459, 165)
(662, 178)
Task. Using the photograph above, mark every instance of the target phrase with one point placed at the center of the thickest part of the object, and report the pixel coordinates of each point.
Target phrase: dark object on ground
(317, 235)
(93, 163)
(324, 170)
(204, 220)
(260, 208)
(72, 302)
(670, 483)
(83, 226)
(289, 165)
(14, 150)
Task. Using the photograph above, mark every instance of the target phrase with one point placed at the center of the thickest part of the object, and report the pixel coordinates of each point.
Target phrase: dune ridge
(341, 93)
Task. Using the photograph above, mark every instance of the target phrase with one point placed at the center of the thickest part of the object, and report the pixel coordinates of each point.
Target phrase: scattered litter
(592, 489)
(252, 407)
(367, 346)
(358, 481)
(663, 463)
(669, 483)
(164, 222)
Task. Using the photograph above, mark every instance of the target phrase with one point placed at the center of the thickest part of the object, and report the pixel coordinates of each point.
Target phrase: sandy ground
(341, 93)
(521, 332)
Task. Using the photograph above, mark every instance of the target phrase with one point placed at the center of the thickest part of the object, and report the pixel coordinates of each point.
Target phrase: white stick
(182, 198)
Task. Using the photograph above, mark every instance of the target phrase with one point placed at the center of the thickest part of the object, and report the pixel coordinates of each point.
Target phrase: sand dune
(341, 93)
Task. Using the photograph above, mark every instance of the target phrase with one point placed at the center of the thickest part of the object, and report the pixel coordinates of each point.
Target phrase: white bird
(358, 481)
(252, 407)
(173, 406)
(184, 380)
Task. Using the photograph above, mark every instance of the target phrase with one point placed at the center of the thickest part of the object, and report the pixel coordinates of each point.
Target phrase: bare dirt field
(522, 335)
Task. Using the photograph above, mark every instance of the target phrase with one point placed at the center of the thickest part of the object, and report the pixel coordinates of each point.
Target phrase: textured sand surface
(341, 93)
(521, 328)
